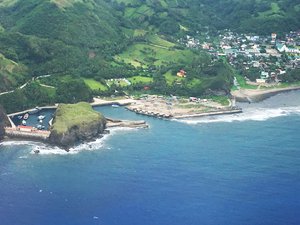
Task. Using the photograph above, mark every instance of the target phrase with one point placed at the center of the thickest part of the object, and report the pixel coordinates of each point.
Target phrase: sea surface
(231, 170)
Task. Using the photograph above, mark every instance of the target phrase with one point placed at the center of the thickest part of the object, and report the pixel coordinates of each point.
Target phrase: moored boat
(26, 116)
(41, 117)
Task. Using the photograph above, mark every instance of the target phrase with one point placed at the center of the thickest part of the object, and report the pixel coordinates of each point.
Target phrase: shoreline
(257, 95)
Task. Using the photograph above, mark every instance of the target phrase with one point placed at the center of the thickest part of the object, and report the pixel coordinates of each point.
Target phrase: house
(283, 48)
(264, 75)
(260, 81)
(181, 73)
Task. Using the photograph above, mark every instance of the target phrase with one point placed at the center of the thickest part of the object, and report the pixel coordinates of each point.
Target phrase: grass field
(172, 78)
(95, 85)
(145, 55)
(275, 11)
(157, 40)
(242, 82)
(140, 79)
(118, 82)
(51, 92)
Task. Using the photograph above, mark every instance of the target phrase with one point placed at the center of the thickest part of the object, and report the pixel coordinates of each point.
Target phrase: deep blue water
(226, 170)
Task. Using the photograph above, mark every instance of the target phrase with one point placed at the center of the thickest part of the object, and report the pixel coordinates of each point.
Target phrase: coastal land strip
(257, 95)
(155, 106)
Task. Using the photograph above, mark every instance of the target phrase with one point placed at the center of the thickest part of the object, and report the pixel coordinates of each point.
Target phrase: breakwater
(125, 123)
(216, 113)
(29, 134)
(182, 116)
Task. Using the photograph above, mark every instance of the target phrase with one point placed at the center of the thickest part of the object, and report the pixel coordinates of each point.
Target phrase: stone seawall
(33, 135)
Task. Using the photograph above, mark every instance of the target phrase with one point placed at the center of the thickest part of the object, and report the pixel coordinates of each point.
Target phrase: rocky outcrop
(4, 122)
(76, 123)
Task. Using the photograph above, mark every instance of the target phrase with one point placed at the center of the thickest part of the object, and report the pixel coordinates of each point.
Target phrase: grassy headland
(74, 115)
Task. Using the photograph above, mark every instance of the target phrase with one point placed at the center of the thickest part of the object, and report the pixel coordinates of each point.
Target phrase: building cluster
(266, 57)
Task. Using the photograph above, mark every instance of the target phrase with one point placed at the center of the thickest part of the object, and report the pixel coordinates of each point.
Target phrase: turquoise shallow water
(241, 169)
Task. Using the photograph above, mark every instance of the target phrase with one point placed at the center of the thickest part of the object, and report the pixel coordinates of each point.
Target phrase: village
(262, 60)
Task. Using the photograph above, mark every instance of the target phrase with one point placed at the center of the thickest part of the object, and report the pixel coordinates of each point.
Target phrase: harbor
(174, 108)
(36, 123)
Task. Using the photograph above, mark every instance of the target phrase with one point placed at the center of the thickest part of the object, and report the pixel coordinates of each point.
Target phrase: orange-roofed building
(26, 128)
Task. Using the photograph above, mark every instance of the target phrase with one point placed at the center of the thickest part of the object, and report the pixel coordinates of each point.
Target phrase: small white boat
(41, 121)
(24, 122)
(41, 117)
(20, 117)
(115, 106)
(40, 127)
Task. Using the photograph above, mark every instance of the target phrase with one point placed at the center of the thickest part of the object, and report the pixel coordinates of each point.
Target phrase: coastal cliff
(3, 122)
(74, 123)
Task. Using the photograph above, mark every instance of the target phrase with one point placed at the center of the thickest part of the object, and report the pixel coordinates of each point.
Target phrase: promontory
(74, 123)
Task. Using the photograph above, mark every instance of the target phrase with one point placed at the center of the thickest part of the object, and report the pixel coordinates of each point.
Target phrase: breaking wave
(45, 149)
(254, 114)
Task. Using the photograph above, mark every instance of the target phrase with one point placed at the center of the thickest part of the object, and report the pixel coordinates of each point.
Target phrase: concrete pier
(31, 135)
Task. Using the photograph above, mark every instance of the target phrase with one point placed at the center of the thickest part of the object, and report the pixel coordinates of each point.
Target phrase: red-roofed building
(181, 73)
(26, 128)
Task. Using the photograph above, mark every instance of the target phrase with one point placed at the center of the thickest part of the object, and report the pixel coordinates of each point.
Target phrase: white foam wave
(255, 114)
(45, 149)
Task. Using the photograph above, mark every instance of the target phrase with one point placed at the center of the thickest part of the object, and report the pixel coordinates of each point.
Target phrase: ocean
(233, 169)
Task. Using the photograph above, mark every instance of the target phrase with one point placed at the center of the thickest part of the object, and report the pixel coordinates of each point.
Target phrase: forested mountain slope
(102, 39)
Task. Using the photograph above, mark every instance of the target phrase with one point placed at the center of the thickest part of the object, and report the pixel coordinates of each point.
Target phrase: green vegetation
(68, 116)
(95, 85)
(11, 73)
(223, 100)
(243, 84)
(139, 79)
(145, 55)
(83, 44)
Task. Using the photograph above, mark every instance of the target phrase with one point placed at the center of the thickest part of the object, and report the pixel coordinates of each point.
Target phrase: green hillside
(93, 41)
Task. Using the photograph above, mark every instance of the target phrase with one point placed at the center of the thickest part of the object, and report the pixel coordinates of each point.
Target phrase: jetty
(110, 123)
(217, 113)
(26, 132)
(32, 110)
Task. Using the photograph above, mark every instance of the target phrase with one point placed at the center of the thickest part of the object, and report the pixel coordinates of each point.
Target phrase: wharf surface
(33, 135)
(225, 112)
(183, 116)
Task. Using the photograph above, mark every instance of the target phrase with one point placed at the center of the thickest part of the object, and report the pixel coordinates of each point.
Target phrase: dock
(29, 134)
(125, 123)
(217, 113)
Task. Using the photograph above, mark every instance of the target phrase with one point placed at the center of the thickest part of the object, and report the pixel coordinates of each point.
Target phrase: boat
(25, 117)
(41, 117)
(36, 151)
(24, 122)
(20, 117)
(115, 106)
(40, 127)
(41, 121)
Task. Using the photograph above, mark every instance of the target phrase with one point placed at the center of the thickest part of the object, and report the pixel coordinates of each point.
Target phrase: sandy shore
(256, 95)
